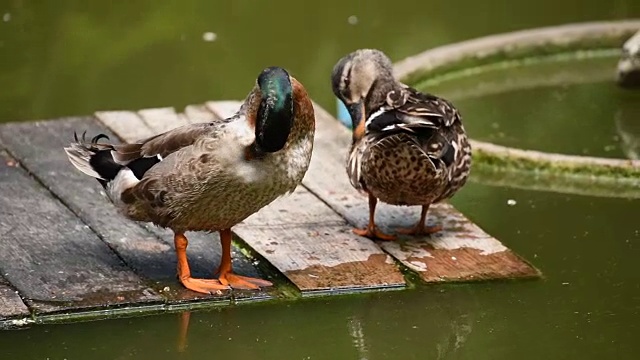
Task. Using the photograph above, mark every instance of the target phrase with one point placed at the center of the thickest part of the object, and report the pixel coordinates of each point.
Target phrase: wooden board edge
(127, 125)
(12, 306)
(161, 120)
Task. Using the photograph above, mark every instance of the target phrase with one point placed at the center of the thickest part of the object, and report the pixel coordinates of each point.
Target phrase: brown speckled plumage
(409, 148)
(211, 176)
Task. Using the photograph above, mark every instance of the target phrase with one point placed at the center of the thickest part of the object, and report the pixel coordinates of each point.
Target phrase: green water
(73, 57)
(570, 107)
(587, 307)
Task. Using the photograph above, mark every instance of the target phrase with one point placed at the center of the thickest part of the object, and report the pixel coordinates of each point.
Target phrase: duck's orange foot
(242, 282)
(373, 233)
(420, 230)
(204, 286)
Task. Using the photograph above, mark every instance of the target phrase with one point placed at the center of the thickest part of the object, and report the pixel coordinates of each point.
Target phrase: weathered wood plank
(130, 124)
(198, 114)
(463, 251)
(161, 119)
(223, 109)
(11, 304)
(150, 253)
(39, 147)
(53, 258)
(311, 244)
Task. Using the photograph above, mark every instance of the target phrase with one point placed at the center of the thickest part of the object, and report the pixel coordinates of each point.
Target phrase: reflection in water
(357, 333)
(435, 330)
(184, 318)
(627, 120)
(460, 330)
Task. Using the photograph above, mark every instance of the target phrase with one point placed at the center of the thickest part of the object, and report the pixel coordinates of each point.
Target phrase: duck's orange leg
(205, 286)
(420, 228)
(225, 274)
(371, 231)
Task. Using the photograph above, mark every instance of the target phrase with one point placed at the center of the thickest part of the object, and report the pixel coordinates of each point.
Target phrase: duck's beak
(356, 110)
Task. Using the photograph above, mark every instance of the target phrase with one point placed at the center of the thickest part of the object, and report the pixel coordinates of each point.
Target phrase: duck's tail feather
(93, 158)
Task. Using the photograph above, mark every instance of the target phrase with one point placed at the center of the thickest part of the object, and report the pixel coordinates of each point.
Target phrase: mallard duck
(210, 176)
(408, 147)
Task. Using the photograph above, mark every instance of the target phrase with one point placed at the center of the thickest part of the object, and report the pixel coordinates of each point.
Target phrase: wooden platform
(66, 252)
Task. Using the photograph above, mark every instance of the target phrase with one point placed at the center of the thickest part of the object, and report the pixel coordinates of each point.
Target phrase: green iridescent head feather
(275, 114)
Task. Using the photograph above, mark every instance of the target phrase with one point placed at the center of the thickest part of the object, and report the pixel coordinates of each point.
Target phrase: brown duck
(210, 176)
(408, 148)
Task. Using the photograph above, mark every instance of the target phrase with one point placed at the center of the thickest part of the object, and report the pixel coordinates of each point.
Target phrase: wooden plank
(183, 119)
(280, 233)
(313, 247)
(54, 259)
(224, 109)
(150, 252)
(198, 114)
(11, 305)
(161, 119)
(463, 251)
(39, 146)
(128, 122)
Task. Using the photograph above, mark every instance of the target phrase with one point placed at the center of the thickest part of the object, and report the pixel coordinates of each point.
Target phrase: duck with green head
(210, 176)
(408, 148)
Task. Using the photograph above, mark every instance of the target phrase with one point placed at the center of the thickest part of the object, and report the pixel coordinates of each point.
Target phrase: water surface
(73, 57)
(568, 106)
(587, 307)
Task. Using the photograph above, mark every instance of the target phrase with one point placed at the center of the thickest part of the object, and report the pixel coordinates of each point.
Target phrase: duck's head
(361, 80)
(274, 115)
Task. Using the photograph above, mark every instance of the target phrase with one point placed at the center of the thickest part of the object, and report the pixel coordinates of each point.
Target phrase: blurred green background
(72, 57)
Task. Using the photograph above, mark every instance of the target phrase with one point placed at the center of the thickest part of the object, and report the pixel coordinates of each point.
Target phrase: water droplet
(352, 20)
(6, 17)
(511, 202)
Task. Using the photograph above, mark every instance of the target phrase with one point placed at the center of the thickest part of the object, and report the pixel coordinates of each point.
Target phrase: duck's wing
(162, 145)
(428, 118)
